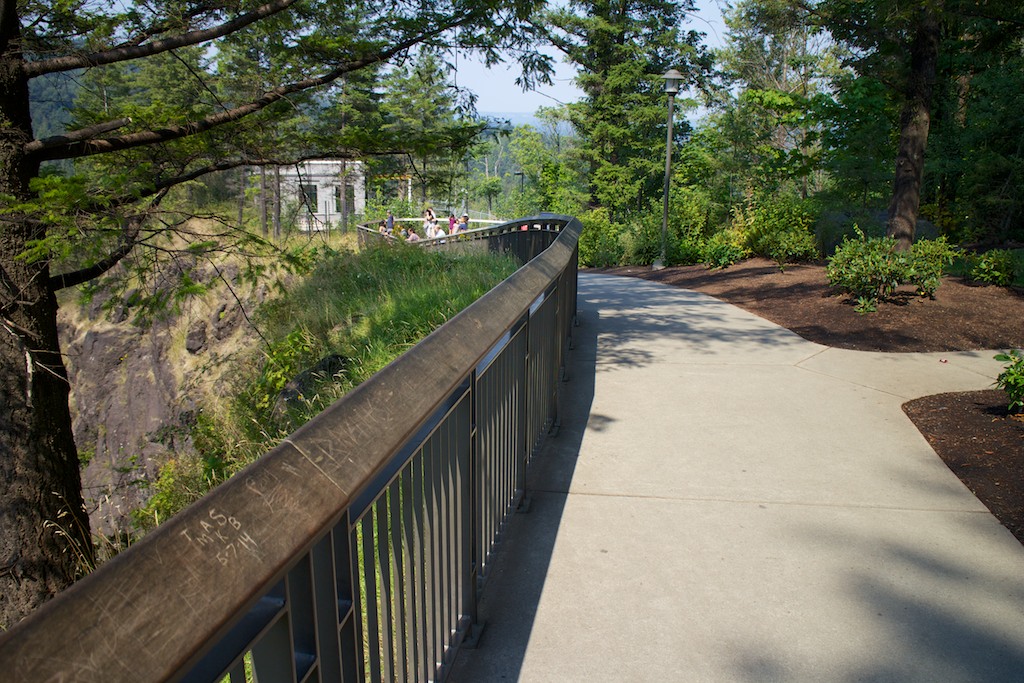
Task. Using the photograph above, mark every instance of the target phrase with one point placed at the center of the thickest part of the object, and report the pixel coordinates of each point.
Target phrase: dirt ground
(972, 432)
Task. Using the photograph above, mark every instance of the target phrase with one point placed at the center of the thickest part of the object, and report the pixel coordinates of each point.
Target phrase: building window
(350, 199)
(309, 197)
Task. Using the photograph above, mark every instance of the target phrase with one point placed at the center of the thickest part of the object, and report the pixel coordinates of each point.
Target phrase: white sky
(498, 92)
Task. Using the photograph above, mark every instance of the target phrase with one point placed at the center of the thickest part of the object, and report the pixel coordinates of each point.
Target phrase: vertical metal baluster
(346, 564)
(371, 597)
(462, 435)
(430, 554)
(444, 570)
(490, 470)
(422, 586)
(399, 616)
(519, 423)
(476, 482)
(437, 551)
(451, 500)
(468, 509)
(508, 462)
(302, 615)
(380, 515)
(413, 571)
(325, 591)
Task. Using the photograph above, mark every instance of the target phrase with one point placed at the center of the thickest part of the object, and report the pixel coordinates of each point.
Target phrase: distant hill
(514, 118)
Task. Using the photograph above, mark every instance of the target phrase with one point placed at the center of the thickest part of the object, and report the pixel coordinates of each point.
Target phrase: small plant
(928, 261)
(723, 249)
(995, 267)
(867, 269)
(1011, 379)
(600, 243)
(777, 228)
(865, 304)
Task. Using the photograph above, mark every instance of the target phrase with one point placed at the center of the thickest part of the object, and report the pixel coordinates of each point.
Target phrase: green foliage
(1011, 379)
(929, 259)
(868, 269)
(600, 243)
(642, 241)
(776, 227)
(620, 50)
(994, 267)
(367, 308)
(180, 482)
(690, 208)
(723, 249)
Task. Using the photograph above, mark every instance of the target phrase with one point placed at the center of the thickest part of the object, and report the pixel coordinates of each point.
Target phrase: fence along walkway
(354, 550)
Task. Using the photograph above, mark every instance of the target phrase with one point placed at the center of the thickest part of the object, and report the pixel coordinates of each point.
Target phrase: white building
(317, 186)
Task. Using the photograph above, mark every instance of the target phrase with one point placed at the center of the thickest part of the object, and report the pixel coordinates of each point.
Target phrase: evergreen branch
(128, 52)
(82, 134)
(84, 148)
(126, 241)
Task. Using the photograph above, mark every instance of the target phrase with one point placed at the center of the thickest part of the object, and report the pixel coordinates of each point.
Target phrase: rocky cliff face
(135, 390)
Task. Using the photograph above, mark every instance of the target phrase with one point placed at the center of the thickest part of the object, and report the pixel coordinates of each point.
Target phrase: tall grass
(323, 335)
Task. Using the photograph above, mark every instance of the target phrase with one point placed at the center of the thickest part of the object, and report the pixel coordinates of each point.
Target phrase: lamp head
(673, 79)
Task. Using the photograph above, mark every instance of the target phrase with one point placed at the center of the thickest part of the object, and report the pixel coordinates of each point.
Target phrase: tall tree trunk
(241, 195)
(44, 531)
(914, 123)
(277, 202)
(264, 227)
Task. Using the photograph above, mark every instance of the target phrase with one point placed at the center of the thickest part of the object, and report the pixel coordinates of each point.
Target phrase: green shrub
(687, 250)
(600, 242)
(641, 242)
(929, 259)
(723, 249)
(1011, 379)
(995, 267)
(777, 228)
(868, 269)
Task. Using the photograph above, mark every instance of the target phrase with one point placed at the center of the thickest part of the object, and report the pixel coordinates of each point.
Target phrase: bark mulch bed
(972, 432)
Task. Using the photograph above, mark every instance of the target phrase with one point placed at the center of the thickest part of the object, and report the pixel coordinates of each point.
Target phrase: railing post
(471, 520)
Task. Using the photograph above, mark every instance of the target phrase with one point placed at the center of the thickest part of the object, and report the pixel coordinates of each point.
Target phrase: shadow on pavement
(511, 595)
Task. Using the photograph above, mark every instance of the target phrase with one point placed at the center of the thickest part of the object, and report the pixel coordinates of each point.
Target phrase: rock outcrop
(136, 389)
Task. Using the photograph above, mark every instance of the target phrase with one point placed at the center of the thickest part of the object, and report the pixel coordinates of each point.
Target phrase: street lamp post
(673, 79)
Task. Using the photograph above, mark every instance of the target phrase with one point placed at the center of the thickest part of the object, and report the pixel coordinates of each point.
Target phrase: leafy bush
(686, 250)
(995, 267)
(641, 242)
(1011, 379)
(723, 249)
(868, 269)
(778, 228)
(928, 260)
(689, 210)
(787, 246)
(600, 244)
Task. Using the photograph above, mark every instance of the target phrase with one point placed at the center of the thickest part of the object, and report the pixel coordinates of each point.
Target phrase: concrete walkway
(729, 502)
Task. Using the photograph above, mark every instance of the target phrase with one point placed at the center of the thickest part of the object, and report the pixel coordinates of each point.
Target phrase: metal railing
(355, 550)
(523, 237)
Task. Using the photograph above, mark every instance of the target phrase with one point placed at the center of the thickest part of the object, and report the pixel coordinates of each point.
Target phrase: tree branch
(79, 135)
(84, 148)
(128, 52)
(125, 244)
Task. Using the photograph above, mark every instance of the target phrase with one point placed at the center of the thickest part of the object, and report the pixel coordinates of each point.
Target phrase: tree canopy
(170, 92)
